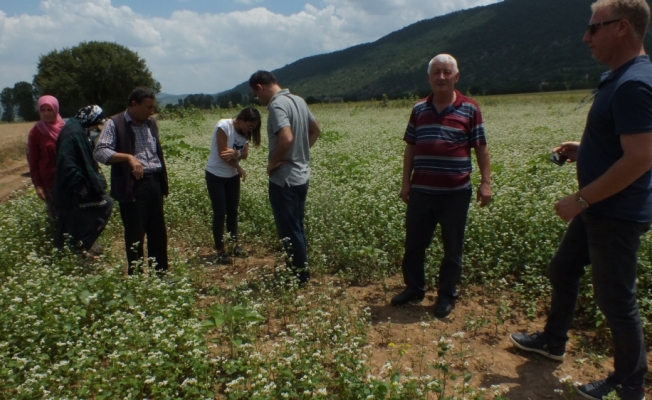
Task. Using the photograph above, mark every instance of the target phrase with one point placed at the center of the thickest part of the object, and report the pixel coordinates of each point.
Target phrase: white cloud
(249, 2)
(192, 52)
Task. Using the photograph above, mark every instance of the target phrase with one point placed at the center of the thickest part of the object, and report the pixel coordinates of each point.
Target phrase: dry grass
(12, 142)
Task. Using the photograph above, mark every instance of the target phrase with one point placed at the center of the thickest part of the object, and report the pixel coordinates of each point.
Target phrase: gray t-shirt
(286, 109)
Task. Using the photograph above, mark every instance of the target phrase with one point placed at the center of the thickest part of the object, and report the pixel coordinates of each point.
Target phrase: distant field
(14, 131)
(12, 141)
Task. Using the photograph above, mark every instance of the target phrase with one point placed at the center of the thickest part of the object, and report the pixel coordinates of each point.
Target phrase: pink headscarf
(50, 129)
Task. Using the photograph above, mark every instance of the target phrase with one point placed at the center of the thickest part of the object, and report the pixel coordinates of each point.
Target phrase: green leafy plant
(231, 317)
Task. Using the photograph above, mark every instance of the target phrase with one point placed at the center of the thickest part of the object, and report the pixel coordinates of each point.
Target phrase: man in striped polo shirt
(442, 130)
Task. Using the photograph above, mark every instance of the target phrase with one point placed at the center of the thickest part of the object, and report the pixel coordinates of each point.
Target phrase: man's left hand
(567, 208)
(484, 194)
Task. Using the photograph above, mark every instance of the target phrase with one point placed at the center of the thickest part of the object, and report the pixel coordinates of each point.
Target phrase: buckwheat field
(78, 329)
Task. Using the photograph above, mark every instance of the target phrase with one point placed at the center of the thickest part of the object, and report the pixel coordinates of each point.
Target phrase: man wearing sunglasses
(613, 207)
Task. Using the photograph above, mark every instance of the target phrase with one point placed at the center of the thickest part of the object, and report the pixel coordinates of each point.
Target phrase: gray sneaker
(537, 343)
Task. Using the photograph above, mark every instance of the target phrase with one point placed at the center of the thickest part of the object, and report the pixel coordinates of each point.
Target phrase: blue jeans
(610, 246)
(288, 206)
(424, 212)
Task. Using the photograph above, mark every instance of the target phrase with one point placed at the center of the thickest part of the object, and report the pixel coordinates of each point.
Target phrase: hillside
(509, 47)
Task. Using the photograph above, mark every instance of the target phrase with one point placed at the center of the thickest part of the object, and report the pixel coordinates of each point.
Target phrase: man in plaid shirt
(130, 144)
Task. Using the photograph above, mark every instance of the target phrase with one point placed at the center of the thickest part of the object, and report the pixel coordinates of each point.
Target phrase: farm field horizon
(80, 329)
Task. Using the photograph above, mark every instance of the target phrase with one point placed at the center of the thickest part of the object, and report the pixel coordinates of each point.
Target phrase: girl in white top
(229, 145)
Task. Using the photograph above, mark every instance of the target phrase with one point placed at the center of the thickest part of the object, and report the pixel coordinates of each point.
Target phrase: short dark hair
(251, 114)
(262, 78)
(141, 93)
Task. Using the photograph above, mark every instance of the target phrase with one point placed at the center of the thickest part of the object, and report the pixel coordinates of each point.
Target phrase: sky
(203, 46)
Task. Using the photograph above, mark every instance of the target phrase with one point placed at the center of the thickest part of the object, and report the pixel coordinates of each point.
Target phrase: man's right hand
(405, 193)
(569, 149)
(136, 167)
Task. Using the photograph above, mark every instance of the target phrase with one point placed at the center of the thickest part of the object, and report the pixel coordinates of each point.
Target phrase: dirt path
(13, 177)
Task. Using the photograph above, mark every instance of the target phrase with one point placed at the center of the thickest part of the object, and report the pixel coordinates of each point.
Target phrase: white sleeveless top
(234, 140)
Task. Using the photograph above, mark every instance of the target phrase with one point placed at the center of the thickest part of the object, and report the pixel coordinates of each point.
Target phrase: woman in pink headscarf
(42, 150)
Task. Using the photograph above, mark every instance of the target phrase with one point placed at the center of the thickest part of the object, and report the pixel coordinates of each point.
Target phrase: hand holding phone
(558, 158)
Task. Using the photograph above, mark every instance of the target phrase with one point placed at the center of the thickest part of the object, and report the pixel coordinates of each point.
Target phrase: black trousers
(225, 197)
(610, 246)
(143, 217)
(424, 213)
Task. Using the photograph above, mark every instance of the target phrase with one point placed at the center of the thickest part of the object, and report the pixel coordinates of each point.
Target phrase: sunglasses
(593, 28)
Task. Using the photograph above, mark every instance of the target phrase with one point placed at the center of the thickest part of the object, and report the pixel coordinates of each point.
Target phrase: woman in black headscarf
(79, 186)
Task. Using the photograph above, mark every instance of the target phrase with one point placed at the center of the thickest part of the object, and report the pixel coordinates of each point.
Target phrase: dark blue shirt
(623, 105)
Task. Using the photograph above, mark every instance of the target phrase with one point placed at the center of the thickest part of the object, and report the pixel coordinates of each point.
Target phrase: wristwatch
(581, 202)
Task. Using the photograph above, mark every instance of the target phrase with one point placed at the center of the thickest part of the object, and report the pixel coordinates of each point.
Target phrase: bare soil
(485, 346)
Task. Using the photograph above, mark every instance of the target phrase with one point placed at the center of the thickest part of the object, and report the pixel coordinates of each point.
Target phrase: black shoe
(302, 275)
(303, 280)
(444, 306)
(240, 252)
(223, 258)
(538, 343)
(409, 295)
(599, 389)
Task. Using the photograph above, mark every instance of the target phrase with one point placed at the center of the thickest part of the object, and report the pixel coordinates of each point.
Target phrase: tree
(223, 101)
(7, 100)
(235, 98)
(24, 100)
(100, 73)
(252, 101)
(201, 101)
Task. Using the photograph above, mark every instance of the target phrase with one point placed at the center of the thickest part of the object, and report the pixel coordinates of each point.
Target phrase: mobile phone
(558, 158)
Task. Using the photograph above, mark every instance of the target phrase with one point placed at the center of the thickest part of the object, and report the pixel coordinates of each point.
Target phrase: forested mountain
(508, 47)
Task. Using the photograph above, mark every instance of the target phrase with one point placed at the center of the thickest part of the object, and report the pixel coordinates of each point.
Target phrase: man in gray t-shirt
(292, 130)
